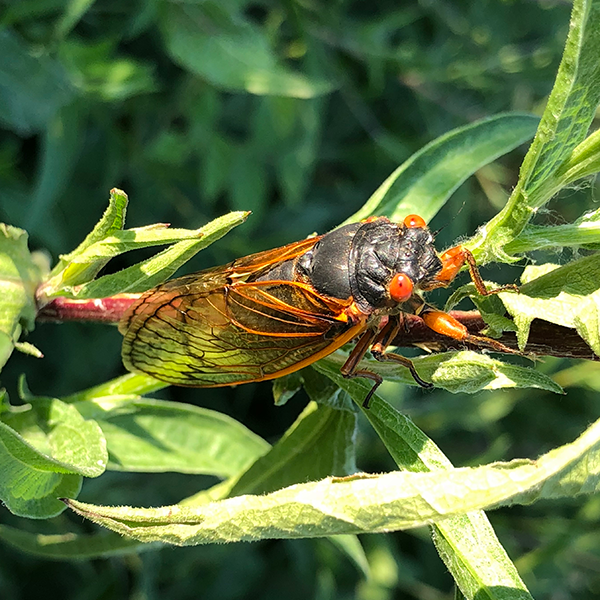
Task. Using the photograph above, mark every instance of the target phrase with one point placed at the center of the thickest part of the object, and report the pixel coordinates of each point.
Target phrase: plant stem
(94, 310)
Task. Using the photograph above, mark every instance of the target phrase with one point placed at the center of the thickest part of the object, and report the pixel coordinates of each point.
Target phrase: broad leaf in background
(320, 443)
(58, 430)
(31, 482)
(215, 43)
(148, 435)
(99, 429)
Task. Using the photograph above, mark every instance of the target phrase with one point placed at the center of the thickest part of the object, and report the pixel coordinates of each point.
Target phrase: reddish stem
(95, 310)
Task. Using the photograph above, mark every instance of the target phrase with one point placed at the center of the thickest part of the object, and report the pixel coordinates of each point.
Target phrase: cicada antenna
(435, 233)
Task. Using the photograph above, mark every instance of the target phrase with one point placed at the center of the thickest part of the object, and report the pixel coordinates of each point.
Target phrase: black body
(359, 260)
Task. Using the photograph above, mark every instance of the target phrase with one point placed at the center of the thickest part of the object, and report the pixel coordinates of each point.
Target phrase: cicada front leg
(452, 262)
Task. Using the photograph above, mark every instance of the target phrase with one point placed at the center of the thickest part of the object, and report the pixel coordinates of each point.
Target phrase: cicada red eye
(414, 221)
(401, 287)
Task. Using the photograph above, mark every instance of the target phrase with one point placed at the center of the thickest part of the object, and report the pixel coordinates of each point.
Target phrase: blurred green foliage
(296, 111)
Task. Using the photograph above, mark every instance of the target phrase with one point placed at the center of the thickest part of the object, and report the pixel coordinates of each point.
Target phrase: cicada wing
(203, 282)
(252, 266)
(203, 337)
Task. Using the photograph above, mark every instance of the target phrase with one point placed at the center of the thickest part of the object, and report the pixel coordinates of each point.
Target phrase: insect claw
(367, 401)
(492, 344)
(424, 384)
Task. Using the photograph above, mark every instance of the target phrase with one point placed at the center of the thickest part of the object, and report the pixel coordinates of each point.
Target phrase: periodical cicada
(272, 313)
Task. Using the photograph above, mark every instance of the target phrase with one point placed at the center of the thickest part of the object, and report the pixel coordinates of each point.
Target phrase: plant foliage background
(297, 112)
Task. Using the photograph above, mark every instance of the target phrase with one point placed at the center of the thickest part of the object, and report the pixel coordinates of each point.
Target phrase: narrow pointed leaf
(364, 503)
(71, 546)
(569, 112)
(423, 184)
(160, 267)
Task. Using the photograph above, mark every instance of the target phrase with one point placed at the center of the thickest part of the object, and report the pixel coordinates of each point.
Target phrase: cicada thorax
(361, 262)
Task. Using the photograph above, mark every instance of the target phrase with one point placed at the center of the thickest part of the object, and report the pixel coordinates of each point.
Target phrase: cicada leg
(380, 345)
(379, 342)
(453, 261)
(349, 368)
(447, 325)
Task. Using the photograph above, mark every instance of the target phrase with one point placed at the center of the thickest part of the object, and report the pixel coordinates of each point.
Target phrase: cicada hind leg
(378, 341)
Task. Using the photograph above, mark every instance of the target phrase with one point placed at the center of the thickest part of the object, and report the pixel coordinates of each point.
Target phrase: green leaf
(215, 168)
(111, 222)
(74, 10)
(583, 232)
(215, 45)
(457, 372)
(572, 104)
(567, 296)
(148, 435)
(33, 85)
(321, 442)
(71, 546)
(160, 267)
(74, 274)
(31, 482)
(57, 430)
(71, 269)
(350, 545)
(87, 264)
(125, 385)
(584, 161)
(19, 277)
(61, 147)
(100, 71)
(364, 503)
(286, 387)
(248, 182)
(569, 112)
(299, 141)
(423, 184)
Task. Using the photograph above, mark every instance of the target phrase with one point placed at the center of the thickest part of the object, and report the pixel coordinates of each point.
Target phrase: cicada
(275, 312)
